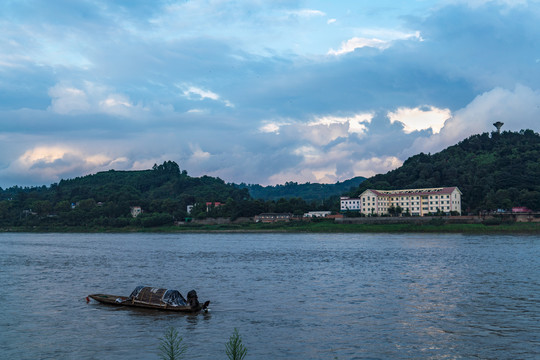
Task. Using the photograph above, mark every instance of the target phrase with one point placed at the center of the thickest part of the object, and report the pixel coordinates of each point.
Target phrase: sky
(253, 91)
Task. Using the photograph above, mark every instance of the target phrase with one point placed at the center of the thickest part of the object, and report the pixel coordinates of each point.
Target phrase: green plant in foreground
(234, 348)
(171, 347)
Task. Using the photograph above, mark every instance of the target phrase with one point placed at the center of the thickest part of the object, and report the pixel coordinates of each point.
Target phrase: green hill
(493, 172)
(105, 198)
(163, 193)
(307, 191)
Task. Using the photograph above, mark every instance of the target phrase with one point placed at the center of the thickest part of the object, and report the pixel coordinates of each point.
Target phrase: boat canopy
(157, 296)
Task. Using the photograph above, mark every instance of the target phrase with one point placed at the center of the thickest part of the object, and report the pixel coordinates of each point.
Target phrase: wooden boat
(154, 298)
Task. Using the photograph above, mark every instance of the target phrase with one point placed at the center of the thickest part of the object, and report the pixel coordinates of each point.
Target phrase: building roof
(274, 214)
(420, 192)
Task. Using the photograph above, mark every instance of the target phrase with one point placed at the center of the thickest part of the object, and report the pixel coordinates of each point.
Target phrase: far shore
(305, 227)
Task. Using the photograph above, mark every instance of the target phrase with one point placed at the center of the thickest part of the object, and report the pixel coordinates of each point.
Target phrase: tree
(42, 207)
(62, 206)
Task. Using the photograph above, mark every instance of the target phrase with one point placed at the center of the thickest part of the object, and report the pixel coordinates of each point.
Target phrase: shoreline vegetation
(300, 227)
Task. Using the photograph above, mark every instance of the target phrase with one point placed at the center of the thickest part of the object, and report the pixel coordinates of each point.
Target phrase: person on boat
(192, 299)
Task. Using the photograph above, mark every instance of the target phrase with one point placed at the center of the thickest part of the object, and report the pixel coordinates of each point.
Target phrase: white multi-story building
(416, 202)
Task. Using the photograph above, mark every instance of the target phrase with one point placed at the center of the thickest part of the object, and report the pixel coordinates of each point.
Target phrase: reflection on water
(292, 296)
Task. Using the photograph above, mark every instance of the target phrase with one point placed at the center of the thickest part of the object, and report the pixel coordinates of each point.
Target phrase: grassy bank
(308, 227)
(331, 227)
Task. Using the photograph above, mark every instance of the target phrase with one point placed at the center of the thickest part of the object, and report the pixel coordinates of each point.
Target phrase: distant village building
(135, 211)
(521, 209)
(416, 202)
(28, 212)
(272, 217)
(317, 214)
(210, 205)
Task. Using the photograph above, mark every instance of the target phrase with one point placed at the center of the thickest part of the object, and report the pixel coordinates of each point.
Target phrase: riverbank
(306, 227)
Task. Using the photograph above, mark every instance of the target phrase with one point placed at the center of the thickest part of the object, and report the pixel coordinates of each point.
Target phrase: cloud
(193, 92)
(518, 109)
(269, 126)
(358, 43)
(196, 93)
(328, 167)
(52, 163)
(420, 118)
(478, 3)
(320, 130)
(67, 99)
(377, 43)
(315, 165)
(307, 13)
(198, 154)
(324, 129)
(92, 99)
(356, 123)
(376, 165)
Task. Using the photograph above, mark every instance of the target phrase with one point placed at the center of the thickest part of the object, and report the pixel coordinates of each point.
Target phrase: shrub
(171, 347)
(234, 348)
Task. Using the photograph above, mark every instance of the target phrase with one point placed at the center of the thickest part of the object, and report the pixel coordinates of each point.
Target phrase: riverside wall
(412, 220)
(530, 217)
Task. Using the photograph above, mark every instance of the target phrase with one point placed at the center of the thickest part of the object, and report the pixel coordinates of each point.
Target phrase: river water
(291, 296)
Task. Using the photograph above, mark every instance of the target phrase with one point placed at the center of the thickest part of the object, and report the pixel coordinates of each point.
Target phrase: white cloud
(477, 3)
(54, 162)
(325, 129)
(324, 176)
(358, 124)
(67, 99)
(420, 118)
(357, 43)
(518, 109)
(331, 21)
(272, 126)
(310, 154)
(381, 39)
(196, 111)
(117, 104)
(193, 92)
(91, 98)
(321, 129)
(198, 154)
(337, 163)
(316, 165)
(196, 93)
(307, 13)
(375, 165)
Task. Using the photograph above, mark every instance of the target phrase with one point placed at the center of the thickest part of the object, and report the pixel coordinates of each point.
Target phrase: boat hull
(125, 301)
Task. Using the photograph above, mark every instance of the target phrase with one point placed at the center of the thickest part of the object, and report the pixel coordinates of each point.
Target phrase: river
(291, 296)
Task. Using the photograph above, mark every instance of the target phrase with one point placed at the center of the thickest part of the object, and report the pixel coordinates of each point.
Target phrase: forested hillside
(307, 191)
(163, 193)
(493, 172)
